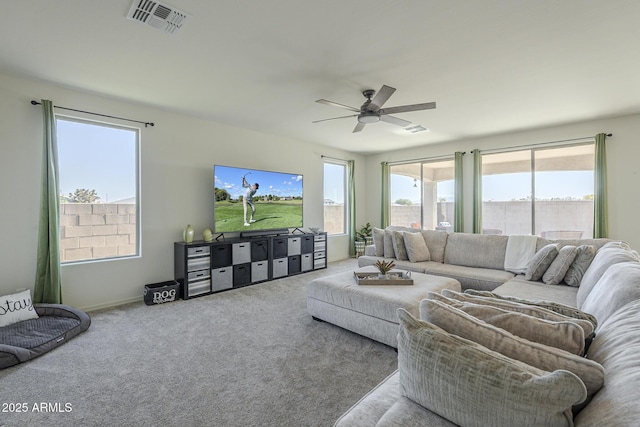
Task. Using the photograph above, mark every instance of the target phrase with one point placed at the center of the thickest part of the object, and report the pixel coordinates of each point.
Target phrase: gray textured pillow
(378, 241)
(584, 256)
(587, 322)
(471, 385)
(388, 244)
(556, 307)
(457, 322)
(416, 247)
(566, 334)
(558, 268)
(399, 247)
(540, 262)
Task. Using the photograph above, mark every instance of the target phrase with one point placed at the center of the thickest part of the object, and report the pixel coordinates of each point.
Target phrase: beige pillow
(417, 249)
(457, 322)
(539, 312)
(388, 244)
(540, 262)
(398, 245)
(558, 268)
(15, 308)
(471, 385)
(378, 241)
(565, 334)
(584, 256)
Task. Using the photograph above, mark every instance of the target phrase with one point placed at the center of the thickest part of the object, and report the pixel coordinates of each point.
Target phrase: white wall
(177, 158)
(623, 164)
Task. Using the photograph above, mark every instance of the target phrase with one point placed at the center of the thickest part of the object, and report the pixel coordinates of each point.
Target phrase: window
(335, 185)
(544, 191)
(98, 184)
(421, 194)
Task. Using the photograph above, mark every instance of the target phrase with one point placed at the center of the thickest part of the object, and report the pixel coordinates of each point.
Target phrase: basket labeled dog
(159, 293)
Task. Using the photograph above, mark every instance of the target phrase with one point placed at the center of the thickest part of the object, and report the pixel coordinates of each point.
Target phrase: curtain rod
(424, 159)
(98, 114)
(541, 144)
(334, 158)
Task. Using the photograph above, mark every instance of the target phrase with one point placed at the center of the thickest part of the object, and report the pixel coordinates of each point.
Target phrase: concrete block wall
(96, 230)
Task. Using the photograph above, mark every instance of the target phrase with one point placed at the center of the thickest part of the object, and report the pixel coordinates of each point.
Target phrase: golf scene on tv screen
(251, 200)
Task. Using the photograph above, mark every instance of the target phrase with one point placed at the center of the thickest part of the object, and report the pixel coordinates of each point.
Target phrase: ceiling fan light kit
(371, 111)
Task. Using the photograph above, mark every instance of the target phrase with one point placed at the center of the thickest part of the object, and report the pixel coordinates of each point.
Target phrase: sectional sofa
(607, 289)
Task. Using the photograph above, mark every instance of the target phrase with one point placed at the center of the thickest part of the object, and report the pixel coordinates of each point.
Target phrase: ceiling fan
(371, 111)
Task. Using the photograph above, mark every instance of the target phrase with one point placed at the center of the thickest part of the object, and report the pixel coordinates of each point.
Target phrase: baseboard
(111, 304)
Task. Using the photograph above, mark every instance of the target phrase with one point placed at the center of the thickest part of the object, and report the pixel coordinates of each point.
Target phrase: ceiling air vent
(158, 15)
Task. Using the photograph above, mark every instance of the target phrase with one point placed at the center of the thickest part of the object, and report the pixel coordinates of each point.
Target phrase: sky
(276, 183)
(100, 158)
(334, 182)
(576, 184)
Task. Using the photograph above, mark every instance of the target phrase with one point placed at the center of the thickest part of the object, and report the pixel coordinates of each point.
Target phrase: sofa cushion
(541, 262)
(528, 290)
(582, 261)
(436, 242)
(457, 322)
(17, 307)
(416, 247)
(558, 268)
(618, 286)
(529, 309)
(563, 334)
(378, 241)
(617, 348)
(388, 250)
(476, 250)
(399, 247)
(470, 277)
(450, 375)
(609, 254)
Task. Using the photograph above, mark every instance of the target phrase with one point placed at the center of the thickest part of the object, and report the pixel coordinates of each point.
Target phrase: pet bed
(25, 340)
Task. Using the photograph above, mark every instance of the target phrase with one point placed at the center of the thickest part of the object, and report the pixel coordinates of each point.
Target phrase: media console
(206, 267)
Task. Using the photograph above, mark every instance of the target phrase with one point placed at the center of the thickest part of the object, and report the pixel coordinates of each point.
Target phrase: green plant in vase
(365, 234)
(384, 267)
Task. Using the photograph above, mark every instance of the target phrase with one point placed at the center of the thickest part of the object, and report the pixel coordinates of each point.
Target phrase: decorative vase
(383, 276)
(207, 235)
(368, 240)
(188, 234)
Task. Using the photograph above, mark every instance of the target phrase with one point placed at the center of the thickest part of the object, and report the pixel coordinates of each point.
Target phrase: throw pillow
(584, 256)
(471, 385)
(417, 249)
(16, 308)
(558, 268)
(378, 241)
(565, 334)
(540, 262)
(399, 247)
(457, 322)
(388, 244)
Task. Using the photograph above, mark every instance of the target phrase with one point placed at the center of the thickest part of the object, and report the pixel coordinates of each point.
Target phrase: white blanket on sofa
(520, 250)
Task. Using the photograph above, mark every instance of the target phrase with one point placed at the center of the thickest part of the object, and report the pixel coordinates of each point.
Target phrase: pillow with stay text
(16, 308)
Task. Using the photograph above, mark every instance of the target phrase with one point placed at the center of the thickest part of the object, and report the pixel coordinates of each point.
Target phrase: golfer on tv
(248, 200)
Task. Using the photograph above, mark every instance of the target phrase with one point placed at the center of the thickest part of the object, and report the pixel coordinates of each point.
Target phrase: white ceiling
(491, 66)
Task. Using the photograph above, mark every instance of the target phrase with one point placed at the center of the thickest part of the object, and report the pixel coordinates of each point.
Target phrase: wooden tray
(395, 278)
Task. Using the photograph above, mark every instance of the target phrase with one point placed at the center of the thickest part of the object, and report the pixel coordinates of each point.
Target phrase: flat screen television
(248, 200)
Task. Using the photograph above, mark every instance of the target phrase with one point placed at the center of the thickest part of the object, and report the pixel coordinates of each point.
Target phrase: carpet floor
(247, 357)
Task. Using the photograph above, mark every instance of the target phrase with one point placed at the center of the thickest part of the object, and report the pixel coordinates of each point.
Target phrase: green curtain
(48, 287)
(600, 215)
(477, 192)
(386, 203)
(351, 188)
(458, 205)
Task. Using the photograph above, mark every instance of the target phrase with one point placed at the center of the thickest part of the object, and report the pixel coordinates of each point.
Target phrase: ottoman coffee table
(370, 310)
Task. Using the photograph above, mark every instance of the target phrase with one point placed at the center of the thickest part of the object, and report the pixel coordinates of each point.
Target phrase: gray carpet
(245, 357)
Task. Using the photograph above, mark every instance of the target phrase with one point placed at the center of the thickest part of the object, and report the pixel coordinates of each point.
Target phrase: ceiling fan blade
(358, 127)
(394, 120)
(334, 118)
(335, 104)
(407, 108)
(381, 97)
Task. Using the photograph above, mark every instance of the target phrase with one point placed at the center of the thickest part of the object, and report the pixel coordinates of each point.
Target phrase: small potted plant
(365, 234)
(384, 267)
